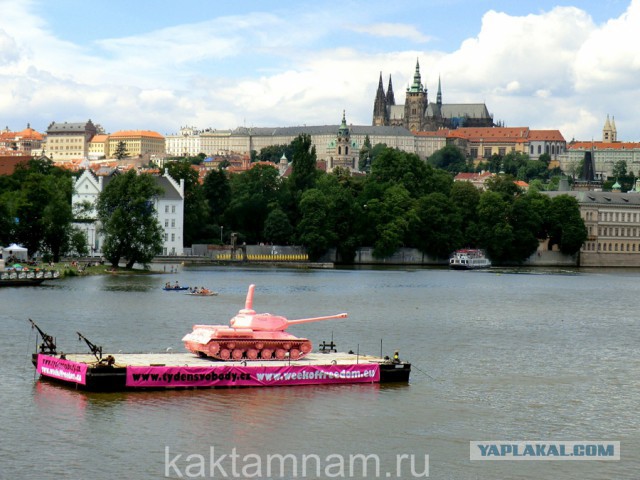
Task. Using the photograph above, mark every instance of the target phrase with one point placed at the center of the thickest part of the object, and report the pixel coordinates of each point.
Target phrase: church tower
(344, 155)
(380, 115)
(609, 132)
(416, 103)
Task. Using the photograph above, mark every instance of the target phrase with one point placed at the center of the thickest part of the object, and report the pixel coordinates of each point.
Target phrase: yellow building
(139, 143)
(99, 147)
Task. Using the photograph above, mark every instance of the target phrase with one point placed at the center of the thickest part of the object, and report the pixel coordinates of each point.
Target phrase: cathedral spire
(391, 100)
(417, 80)
(439, 95)
(380, 106)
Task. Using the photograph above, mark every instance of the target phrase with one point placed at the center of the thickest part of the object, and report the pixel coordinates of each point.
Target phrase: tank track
(235, 350)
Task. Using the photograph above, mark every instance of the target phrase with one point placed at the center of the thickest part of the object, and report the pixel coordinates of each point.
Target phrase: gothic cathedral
(417, 114)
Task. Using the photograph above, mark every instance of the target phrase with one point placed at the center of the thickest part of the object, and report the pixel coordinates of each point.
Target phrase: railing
(29, 275)
(300, 257)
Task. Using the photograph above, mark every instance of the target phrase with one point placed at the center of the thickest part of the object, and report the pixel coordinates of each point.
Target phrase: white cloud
(398, 30)
(609, 59)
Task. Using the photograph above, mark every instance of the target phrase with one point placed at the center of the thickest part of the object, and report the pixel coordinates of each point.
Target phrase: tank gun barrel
(316, 319)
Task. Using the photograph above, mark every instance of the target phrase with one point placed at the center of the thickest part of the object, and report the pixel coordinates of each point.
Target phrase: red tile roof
(135, 133)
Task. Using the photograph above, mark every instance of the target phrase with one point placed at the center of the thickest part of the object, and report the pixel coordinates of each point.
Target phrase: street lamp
(221, 229)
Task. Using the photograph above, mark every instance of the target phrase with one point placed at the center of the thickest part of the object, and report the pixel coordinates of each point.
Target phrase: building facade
(605, 154)
(185, 143)
(69, 141)
(169, 209)
(139, 143)
(613, 227)
(481, 143)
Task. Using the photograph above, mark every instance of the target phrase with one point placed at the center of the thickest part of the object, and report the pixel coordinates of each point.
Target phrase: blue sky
(160, 65)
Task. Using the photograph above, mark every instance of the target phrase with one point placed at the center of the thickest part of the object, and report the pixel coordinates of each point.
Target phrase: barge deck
(159, 371)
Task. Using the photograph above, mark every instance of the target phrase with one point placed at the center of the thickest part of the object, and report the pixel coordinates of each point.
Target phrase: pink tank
(251, 336)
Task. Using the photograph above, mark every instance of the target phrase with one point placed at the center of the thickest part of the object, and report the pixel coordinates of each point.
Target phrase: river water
(509, 355)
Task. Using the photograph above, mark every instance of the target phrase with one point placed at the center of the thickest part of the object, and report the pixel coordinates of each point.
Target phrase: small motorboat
(202, 292)
(174, 288)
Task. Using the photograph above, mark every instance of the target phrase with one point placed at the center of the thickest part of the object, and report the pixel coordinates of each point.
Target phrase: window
(166, 222)
(173, 209)
(173, 223)
(166, 209)
(173, 237)
(502, 151)
(487, 152)
(539, 149)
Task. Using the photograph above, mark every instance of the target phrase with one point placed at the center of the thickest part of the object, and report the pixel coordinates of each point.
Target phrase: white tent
(15, 251)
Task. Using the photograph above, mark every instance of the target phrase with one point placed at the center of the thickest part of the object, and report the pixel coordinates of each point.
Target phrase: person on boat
(396, 357)
(177, 285)
(167, 285)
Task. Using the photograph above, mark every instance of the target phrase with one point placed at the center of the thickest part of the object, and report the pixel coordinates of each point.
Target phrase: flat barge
(252, 351)
(160, 371)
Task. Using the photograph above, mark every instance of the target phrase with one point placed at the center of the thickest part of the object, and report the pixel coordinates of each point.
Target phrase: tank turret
(251, 336)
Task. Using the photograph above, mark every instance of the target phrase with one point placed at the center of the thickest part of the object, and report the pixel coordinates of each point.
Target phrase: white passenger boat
(469, 259)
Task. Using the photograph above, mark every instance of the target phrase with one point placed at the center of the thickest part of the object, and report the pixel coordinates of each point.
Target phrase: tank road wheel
(231, 345)
(294, 354)
(252, 354)
(266, 354)
(280, 353)
(306, 347)
(213, 348)
(286, 346)
(237, 354)
(225, 354)
(259, 345)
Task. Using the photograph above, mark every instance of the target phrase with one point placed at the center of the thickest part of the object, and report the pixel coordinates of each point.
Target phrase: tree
(391, 218)
(619, 169)
(437, 225)
(277, 228)
(57, 217)
(120, 151)
(315, 228)
(449, 158)
(303, 169)
(494, 231)
(395, 167)
(526, 219)
(217, 192)
(504, 185)
(565, 225)
(195, 205)
(364, 156)
(466, 197)
(129, 223)
(252, 194)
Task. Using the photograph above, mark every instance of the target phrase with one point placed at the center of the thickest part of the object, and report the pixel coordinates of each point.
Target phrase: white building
(186, 143)
(169, 208)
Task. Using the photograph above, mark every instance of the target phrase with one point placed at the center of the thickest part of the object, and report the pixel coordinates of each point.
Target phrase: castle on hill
(419, 115)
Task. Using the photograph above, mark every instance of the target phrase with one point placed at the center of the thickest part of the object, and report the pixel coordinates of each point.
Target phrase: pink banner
(248, 376)
(66, 370)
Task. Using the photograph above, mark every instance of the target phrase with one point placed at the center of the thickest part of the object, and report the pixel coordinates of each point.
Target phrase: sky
(161, 65)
